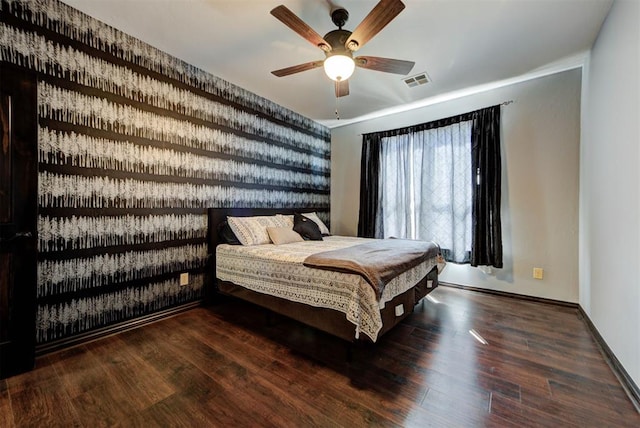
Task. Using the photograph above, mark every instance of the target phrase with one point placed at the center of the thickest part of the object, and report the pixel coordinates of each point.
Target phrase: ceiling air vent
(417, 80)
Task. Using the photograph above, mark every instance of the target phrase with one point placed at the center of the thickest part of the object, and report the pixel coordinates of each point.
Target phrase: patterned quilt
(278, 270)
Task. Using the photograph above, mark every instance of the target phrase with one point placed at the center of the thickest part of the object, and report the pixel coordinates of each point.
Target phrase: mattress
(278, 270)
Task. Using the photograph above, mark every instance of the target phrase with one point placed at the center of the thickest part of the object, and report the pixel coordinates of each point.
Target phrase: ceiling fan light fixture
(339, 67)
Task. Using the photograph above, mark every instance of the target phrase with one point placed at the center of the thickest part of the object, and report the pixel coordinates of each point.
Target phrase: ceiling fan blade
(387, 65)
(292, 21)
(297, 68)
(342, 88)
(376, 20)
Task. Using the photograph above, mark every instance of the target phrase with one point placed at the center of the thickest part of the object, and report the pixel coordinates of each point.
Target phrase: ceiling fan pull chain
(337, 114)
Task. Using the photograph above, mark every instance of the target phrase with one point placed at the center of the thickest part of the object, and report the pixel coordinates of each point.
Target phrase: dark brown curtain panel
(369, 176)
(486, 248)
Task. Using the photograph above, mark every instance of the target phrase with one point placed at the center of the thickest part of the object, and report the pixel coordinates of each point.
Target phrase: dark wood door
(18, 219)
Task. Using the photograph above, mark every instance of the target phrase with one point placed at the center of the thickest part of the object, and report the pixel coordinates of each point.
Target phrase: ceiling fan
(339, 45)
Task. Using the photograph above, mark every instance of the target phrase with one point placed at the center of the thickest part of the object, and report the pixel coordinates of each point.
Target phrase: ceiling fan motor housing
(337, 40)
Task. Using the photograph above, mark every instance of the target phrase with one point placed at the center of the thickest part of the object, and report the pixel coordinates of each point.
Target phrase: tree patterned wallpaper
(134, 145)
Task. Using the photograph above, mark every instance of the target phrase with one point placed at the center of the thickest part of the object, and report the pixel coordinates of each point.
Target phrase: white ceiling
(461, 44)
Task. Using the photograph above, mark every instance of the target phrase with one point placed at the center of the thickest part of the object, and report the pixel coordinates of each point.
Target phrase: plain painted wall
(610, 185)
(540, 157)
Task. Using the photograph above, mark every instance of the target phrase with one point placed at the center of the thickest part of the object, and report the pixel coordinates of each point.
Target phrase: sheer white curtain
(425, 189)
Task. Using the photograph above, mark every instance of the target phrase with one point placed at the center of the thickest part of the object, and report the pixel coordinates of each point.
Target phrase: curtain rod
(504, 103)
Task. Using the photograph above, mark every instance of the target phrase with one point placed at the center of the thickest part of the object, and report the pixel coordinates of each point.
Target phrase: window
(425, 188)
(439, 181)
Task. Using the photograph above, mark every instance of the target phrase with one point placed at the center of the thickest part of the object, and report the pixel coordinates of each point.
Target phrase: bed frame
(327, 320)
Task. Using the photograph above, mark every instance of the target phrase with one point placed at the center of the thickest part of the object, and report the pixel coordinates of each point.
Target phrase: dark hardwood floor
(224, 366)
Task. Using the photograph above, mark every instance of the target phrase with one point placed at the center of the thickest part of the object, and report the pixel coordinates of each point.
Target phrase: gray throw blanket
(378, 261)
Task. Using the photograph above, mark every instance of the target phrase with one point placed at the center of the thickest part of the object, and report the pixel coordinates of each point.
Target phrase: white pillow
(283, 235)
(253, 230)
(287, 219)
(313, 216)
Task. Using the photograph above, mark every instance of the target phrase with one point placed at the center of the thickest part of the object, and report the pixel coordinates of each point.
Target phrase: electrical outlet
(538, 273)
(399, 310)
(184, 279)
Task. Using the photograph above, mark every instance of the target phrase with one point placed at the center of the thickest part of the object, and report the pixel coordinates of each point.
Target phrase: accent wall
(134, 145)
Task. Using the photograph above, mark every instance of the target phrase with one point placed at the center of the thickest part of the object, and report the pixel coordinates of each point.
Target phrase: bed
(339, 302)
